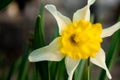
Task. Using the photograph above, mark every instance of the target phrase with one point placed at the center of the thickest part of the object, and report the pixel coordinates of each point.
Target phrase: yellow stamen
(81, 40)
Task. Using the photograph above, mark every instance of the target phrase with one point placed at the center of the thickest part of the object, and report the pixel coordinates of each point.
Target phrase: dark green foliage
(4, 3)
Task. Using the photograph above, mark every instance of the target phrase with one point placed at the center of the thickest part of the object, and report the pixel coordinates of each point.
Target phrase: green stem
(88, 69)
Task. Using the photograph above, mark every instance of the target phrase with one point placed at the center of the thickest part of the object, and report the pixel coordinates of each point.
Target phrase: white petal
(90, 2)
(82, 14)
(109, 31)
(71, 65)
(62, 21)
(99, 60)
(49, 53)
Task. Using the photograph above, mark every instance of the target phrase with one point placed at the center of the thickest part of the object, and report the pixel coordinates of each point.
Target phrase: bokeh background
(17, 23)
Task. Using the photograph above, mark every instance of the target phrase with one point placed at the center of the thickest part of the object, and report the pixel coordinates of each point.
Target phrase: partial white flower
(55, 50)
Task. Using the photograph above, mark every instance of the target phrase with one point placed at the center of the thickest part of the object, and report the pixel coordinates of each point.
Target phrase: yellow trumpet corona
(81, 39)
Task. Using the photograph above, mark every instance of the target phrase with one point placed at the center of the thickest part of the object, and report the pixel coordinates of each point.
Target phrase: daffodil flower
(78, 39)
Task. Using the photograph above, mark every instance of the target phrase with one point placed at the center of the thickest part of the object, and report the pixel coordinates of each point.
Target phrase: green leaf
(41, 67)
(4, 3)
(38, 34)
(61, 73)
(13, 68)
(57, 71)
(53, 70)
(85, 70)
(23, 71)
(39, 37)
(79, 71)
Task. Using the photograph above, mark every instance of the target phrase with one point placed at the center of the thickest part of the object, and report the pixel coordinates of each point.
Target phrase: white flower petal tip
(82, 14)
(37, 55)
(108, 74)
(109, 31)
(30, 58)
(62, 21)
(47, 53)
(90, 2)
(71, 65)
(51, 8)
(99, 60)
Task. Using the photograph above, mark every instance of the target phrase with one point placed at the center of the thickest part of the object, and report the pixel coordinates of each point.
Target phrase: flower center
(81, 39)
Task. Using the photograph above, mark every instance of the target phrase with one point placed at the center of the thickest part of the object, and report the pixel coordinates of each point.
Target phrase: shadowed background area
(17, 23)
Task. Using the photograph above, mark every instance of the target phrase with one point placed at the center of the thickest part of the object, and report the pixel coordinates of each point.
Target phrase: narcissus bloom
(78, 39)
